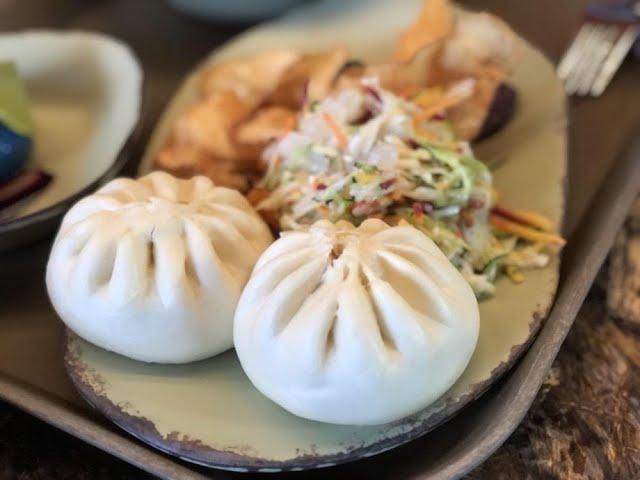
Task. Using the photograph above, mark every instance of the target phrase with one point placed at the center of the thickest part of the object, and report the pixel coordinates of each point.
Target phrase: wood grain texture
(623, 291)
(585, 422)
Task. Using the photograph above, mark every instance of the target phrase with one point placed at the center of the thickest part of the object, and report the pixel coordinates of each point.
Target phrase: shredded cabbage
(397, 169)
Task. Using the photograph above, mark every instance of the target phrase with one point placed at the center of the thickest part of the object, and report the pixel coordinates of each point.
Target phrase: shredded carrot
(428, 97)
(514, 274)
(324, 211)
(527, 233)
(339, 134)
(289, 125)
(434, 109)
(408, 91)
(425, 134)
(429, 112)
(527, 217)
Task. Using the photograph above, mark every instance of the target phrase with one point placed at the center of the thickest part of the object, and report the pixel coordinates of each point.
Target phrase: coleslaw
(365, 152)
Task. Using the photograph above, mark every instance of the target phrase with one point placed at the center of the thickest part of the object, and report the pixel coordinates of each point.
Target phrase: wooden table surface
(585, 422)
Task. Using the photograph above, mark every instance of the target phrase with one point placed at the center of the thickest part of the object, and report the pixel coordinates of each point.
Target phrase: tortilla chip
(186, 161)
(248, 102)
(267, 124)
(481, 41)
(208, 124)
(309, 79)
(271, 217)
(435, 22)
(251, 79)
(202, 143)
(405, 79)
(467, 118)
(349, 76)
(445, 46)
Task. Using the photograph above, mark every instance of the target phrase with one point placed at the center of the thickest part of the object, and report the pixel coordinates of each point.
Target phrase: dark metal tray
(32, 376)
(31, 370)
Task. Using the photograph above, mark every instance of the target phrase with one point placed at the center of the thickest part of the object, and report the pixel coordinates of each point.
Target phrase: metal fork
(599, 48)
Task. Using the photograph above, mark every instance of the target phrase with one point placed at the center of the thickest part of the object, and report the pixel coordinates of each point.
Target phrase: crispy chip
(272, 217)
(267, 124)
(349, 76)
(467, 117)
(310, 78)
(185, 161)
(481, 41)
(445, 46)
(435, 22)
(252, 79)
(208, 125)
(202, 141)
(245, 103)
(407, 78)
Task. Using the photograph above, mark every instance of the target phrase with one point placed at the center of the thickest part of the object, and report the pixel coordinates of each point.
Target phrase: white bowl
(85, 91)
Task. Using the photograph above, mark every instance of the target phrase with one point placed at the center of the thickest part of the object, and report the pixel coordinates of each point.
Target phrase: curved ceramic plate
(85, 91)
(209, 413)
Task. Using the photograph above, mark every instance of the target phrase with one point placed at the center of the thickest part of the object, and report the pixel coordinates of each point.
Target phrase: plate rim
(231, 461)
(194, 451)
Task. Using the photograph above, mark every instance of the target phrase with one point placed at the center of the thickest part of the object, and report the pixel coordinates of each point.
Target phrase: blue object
(14, 151)
(624, 13)
(616, 12)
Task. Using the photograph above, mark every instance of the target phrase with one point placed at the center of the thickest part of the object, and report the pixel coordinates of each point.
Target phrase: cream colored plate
(85, 91)
(209, 413)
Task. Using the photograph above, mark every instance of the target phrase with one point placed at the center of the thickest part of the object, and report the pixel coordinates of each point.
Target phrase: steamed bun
(153, 268)
(355, 325)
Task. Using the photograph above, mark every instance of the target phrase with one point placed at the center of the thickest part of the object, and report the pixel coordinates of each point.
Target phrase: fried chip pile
(243, 105)
(449, 61)
(445, 46)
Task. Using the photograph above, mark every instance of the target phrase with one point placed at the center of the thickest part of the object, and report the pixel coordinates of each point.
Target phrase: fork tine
(582, 62)
(615, 58)
(569, 58)
(601, 49)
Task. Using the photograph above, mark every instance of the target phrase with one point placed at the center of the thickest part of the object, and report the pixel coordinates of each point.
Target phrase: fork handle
(626, 13)
(613, 13)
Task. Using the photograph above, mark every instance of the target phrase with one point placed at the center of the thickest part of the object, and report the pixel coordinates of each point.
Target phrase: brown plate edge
(89, 384)
(195, 451)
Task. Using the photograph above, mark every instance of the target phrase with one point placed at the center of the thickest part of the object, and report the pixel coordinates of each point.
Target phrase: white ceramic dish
(209, 412)
(85, 91)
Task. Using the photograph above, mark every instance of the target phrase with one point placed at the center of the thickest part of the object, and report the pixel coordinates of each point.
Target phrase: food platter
(85, 118)
(31, 373)
(228, 424)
